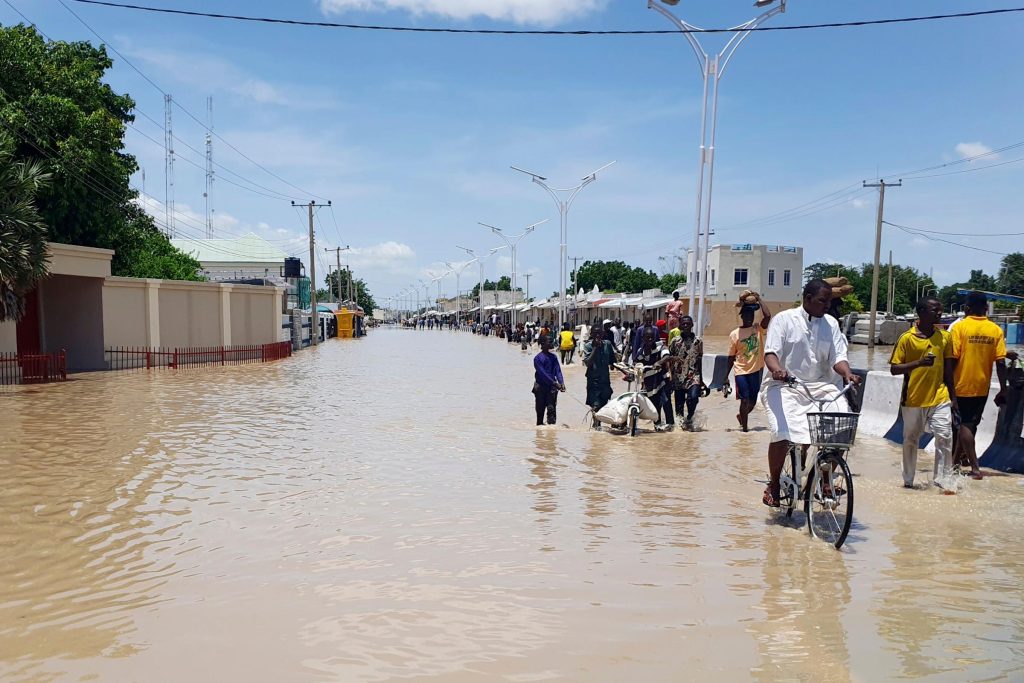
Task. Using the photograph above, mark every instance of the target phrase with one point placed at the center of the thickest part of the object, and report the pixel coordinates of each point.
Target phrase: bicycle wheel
(829, 502)
(634, 417)
(785, 492)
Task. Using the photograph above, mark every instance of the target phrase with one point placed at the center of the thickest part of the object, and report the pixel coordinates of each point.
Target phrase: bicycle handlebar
(793, 381)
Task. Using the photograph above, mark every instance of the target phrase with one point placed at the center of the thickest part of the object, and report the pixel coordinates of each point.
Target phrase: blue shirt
(548, 370)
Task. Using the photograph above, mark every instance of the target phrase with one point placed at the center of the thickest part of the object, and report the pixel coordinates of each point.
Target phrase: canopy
(622, 302)
(657, 303)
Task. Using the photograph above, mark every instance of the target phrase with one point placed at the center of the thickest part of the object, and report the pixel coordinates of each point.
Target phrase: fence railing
(33, 368)
(142, 358)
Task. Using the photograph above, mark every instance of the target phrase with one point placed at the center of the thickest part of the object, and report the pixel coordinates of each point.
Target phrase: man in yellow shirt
(977, 344)
(924, 356)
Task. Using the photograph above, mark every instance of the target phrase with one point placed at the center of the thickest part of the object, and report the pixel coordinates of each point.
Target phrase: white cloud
(973, 149)
(389, 256)
(543, 12)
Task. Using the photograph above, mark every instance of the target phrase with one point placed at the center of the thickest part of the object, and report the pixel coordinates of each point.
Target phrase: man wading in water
(598, 356)
(547, 381)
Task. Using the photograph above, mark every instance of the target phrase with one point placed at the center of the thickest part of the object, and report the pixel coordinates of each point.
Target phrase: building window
(771, 277)
(787, 278)
(712, 277)
(739, 277)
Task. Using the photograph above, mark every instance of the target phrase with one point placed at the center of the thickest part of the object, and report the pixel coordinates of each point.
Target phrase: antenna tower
(208, 195)
(168, 168)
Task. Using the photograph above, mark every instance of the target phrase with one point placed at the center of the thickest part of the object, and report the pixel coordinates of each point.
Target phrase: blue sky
(411, 135)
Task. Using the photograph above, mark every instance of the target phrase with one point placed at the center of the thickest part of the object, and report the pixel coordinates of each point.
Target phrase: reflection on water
(384, 508)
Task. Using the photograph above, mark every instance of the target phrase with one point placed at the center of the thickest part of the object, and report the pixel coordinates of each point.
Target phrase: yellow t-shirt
(923, 387)
(977, 343)
(566, 340)
(747, 345)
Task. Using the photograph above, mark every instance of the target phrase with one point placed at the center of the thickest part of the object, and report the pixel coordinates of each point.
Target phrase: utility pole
(208, 195)
(314, 315)
(890, 298)
(575, 274)
(337, 255)
(881, 185)
(528, 276)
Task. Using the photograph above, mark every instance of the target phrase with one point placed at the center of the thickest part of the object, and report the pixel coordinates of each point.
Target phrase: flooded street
(385, 508)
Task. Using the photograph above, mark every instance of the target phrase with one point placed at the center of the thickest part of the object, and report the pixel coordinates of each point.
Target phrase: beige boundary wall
(170, 313)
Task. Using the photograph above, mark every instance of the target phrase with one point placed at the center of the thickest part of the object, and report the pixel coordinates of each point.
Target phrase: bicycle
(640, 405)
(827, 495)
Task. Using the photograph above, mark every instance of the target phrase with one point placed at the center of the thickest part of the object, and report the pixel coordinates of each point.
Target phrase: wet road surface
(384, 508)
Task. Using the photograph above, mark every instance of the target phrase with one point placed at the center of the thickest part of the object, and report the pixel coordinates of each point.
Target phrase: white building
(774, 271)
(241, 258)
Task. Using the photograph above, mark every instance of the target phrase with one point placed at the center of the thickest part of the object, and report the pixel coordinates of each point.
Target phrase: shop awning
(656, 303)
(622, 302)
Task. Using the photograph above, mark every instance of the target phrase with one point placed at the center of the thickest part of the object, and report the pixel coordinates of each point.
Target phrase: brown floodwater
(384, 508)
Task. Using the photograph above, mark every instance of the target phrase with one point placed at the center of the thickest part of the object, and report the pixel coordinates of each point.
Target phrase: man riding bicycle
(801, 342)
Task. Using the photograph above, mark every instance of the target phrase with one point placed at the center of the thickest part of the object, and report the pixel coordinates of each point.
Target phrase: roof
(657, 303)
(248, 249)
(623, 302)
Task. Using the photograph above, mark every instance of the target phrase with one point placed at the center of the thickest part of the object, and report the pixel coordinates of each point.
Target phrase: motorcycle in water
(623, 413)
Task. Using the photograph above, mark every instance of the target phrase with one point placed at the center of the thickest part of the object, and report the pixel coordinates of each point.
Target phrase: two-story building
(774, 271)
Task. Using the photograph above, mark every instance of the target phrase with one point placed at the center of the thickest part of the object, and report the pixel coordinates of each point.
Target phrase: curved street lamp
(480, 286)
(712, 68)
(513, 243)
(563, 214)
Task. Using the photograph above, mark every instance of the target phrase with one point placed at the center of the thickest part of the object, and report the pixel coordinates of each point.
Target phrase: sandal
(770, 499)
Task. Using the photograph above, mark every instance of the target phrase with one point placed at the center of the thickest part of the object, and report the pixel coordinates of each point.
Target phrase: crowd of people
(946, 374)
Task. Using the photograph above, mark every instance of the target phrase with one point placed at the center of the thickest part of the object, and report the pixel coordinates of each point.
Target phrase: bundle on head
(747, 298)
(838, 292)
(836, 282)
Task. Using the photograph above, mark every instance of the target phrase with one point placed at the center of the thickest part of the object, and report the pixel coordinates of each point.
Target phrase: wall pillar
(152, 314)
(225, 315)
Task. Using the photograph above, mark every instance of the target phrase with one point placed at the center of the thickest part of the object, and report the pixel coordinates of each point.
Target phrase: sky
(411, 136)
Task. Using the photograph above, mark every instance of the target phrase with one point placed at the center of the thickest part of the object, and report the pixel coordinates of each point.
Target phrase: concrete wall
(8, 337)
(162, 313)
(71, 314)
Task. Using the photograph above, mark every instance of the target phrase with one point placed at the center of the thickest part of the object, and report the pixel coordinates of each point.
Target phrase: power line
(913, 231)
(412, 29)
(959, 234)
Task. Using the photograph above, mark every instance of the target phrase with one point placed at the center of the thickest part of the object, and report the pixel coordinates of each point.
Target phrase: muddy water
(385, 509)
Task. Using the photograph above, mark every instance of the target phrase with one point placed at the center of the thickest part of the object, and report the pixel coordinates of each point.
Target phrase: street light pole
(712, 69)
(458, 291)
(513, 244)
(480, 286)
(563, 198)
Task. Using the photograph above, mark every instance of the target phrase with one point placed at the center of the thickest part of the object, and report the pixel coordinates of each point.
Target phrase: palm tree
(23, 257)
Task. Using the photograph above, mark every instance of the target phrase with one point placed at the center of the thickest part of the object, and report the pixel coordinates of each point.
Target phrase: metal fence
(142, 358)
(33, 368)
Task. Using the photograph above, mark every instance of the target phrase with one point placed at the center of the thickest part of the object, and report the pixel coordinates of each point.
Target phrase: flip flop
(769, 499)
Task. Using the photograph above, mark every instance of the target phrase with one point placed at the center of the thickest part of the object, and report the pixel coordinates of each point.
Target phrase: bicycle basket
(833, 429)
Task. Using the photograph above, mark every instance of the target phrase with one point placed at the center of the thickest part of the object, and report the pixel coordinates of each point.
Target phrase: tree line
(64, 167)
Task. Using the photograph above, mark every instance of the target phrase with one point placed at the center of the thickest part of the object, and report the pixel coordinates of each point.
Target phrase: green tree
(504, 284)
(363, 296)
(23, 259)
(978, 280)
(614, 276)
(1011, 275)
(671, 281)
(54, 100)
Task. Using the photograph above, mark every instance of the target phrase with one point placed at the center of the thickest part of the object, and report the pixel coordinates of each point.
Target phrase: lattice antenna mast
(168, 167)
(208, 195)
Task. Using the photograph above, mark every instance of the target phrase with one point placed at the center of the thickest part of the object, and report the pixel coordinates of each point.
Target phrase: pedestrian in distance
(978, 343)
(746, 356)
(639, 332)
(674, 310)
(924, 357)
(566, 344)
(547, 382)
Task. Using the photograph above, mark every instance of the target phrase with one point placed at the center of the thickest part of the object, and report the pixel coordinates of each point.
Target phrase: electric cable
(542, 32)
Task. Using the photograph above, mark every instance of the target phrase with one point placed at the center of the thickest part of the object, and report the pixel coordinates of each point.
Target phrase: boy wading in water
(924, 357)
(746, 354)
(547, 381)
